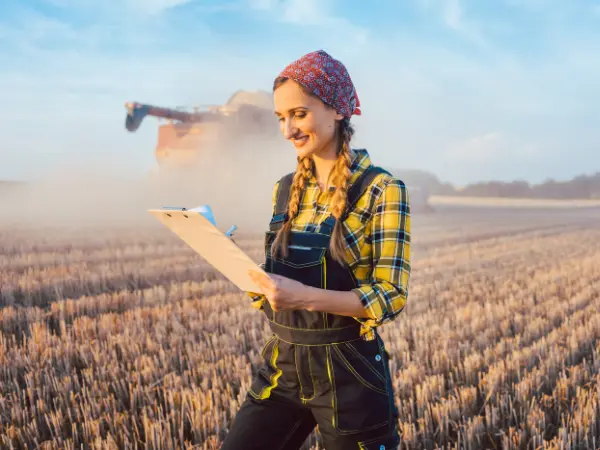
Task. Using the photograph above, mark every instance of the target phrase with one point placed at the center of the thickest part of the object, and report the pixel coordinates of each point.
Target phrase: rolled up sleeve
(386, 293)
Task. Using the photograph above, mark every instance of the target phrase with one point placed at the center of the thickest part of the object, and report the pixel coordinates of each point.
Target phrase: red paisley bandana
(327, 78)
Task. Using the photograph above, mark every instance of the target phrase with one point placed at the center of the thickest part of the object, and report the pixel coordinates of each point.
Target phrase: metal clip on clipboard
(231, 231)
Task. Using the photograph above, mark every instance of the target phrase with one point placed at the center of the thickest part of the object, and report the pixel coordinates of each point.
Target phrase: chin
(304, 151)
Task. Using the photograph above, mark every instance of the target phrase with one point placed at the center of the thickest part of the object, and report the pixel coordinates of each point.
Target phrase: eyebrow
(295, 108)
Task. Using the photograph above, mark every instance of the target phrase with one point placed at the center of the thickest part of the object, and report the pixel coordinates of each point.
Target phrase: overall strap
(283, 193)
(360, 186)
(357, 189)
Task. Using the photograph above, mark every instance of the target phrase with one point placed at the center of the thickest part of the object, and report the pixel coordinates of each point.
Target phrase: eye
(300, 114)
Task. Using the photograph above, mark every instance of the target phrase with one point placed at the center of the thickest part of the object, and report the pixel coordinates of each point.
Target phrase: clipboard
(201, 234)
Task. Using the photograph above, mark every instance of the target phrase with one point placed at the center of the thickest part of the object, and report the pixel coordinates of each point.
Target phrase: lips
(300, 141)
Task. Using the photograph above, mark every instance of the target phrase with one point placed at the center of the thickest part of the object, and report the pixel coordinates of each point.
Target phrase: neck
(324, 163)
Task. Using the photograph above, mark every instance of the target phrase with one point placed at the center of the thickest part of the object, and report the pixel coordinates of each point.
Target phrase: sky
(469, 90)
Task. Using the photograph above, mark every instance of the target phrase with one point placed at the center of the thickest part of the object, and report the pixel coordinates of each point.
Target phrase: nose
(288, 129)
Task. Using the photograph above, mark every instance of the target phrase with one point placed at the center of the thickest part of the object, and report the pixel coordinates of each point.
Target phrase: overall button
(378, 358)
(381, 447)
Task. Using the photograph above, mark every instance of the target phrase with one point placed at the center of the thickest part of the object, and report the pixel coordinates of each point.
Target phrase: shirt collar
(360, 162)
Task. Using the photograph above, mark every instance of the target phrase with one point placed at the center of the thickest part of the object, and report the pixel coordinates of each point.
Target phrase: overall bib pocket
(304, 261)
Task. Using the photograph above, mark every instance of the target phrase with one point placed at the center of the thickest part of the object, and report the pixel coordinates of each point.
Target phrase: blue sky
(467, 89)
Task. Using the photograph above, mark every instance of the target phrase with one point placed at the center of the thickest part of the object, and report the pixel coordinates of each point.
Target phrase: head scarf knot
(328, 79)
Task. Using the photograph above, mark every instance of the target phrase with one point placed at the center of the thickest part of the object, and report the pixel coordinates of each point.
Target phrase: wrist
(307, 300)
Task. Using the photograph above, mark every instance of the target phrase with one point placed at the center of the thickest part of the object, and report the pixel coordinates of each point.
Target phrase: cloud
(491, 147)
(263, 5)
(452, 12)
(311, 13)
(306, 12)
(469, 29)
(144, 7)
(477, 157)
(477, 148)
(154, 7)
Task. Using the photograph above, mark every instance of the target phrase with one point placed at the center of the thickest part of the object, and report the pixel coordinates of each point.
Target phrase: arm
(386, 295)
(343, 303)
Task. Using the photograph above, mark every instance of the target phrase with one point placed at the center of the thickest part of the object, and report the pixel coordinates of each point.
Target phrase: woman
(338, 259)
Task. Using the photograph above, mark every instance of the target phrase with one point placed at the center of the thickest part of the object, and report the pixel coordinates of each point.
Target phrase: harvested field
(125, 338)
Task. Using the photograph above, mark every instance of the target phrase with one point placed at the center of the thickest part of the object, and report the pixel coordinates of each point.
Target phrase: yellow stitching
(312, 330)
(312, 379)
(298, 372)
(357, 375)
(361, 444)
(264, 350)
(366, 361)
(325, 272)
(333, 396)
(316, 345)
(334, 419)
(266, 391)
(277, 373)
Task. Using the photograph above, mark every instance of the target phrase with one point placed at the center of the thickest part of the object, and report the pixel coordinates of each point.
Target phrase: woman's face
(306, 121)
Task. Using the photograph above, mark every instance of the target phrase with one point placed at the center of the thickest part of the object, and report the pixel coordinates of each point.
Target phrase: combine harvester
(196, 145)
(189, 138)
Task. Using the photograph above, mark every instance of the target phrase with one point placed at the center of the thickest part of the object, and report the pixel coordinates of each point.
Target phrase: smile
(299, 142)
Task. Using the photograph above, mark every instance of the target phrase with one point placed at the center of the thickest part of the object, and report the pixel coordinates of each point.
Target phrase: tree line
(579, 187)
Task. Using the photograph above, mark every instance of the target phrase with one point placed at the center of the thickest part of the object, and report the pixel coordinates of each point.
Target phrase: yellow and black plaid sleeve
(259, 299)
(385, 295)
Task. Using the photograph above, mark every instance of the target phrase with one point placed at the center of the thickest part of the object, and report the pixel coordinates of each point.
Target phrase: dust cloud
(236, 181)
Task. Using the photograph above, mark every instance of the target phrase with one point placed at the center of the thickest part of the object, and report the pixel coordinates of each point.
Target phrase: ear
(338, 116)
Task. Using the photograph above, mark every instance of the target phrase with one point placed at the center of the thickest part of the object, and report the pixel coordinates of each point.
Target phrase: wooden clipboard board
(212, 244)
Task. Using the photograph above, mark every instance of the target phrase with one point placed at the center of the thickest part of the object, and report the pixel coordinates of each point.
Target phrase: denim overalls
(317, 369)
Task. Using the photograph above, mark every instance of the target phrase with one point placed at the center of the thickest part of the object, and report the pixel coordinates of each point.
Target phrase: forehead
(290, 95)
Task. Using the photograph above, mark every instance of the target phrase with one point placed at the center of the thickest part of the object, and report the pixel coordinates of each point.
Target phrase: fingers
(256, 276)
(269, 287)
(261, 280)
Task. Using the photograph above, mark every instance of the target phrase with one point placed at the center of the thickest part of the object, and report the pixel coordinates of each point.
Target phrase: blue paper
(206, 211)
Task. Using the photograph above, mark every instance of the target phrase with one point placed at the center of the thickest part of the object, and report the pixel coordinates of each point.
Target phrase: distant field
(516, 202)
(125, 339)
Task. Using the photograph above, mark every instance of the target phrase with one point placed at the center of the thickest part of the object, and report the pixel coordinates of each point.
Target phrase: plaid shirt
(378, 250)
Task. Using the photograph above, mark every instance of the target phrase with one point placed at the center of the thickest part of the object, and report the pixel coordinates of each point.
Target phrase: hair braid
(340, 178)
(303, 172)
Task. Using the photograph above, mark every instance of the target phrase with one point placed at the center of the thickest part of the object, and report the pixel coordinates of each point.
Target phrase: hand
(281, 292)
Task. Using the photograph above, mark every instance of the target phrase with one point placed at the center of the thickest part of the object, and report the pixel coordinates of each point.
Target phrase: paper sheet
(213, 245)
